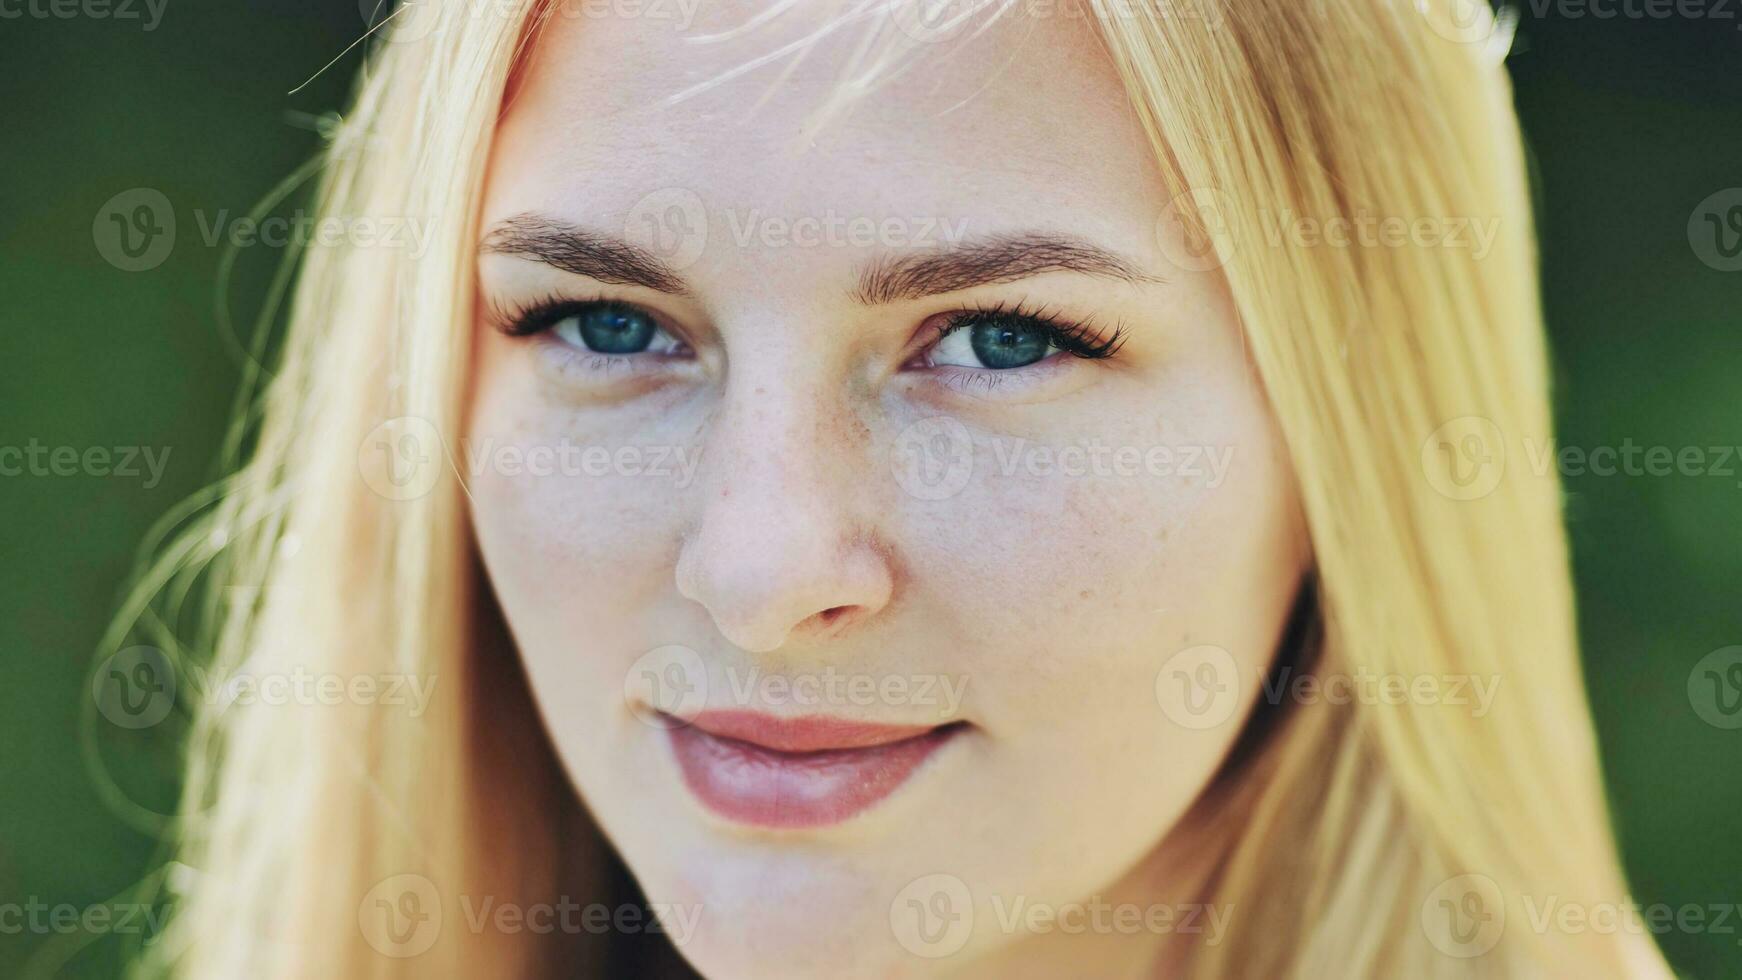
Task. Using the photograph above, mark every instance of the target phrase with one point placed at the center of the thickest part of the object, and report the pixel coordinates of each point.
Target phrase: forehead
(1019, 123)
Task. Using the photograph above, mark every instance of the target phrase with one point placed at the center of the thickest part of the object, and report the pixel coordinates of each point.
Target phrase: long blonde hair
(1331, 825)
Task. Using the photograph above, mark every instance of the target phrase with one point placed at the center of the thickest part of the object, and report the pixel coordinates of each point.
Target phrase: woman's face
(893, 535)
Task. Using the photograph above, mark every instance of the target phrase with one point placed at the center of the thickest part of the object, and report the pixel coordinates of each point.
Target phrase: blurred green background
(1633, 122)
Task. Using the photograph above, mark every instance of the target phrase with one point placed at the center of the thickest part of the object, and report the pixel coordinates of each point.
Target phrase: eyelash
(1078, 338)
(524, 320)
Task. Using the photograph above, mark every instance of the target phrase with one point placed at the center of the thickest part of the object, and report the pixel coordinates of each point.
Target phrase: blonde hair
(1331, 825)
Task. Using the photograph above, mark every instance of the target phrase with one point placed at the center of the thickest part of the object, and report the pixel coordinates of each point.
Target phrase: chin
(794, 913)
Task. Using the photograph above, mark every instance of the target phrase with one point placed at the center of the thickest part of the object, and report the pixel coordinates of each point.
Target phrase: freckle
(1086, 593)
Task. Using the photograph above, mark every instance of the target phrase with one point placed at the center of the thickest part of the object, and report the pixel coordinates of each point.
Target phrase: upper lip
(804, 733)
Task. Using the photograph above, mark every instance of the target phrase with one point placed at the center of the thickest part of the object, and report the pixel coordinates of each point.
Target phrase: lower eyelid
(568, 362)
(980, 381)
(968, 380)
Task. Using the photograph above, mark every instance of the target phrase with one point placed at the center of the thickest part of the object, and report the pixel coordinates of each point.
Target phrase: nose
(783, 549)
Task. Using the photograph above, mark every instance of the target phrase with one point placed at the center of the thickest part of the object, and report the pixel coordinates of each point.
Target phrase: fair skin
(795, 549)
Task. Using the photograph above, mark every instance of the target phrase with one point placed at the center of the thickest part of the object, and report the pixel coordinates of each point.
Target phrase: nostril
(829, 615)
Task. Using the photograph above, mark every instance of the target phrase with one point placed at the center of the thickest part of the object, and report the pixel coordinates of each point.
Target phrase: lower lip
(763, 787)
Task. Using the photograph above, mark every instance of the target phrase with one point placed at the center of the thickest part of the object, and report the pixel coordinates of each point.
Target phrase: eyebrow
(984, 261)
(572, 248)
(975, 262)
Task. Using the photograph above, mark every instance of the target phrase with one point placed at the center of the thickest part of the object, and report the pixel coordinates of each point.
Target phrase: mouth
(787, 773)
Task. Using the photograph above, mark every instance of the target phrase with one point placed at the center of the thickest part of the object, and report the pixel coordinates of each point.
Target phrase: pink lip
(810, 771)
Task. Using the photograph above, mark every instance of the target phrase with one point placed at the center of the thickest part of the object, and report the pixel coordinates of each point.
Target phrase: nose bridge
(782, 545)
(770, 437)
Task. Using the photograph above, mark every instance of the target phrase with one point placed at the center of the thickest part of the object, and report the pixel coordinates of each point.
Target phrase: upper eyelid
(511, 319)
(1079, 333)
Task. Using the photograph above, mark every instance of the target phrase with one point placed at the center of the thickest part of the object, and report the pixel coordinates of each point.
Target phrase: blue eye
(608, 328)
(597, 326)
(1006, 339)
(1001, 346)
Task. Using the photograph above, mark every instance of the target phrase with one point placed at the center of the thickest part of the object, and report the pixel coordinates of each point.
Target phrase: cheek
(577, 512)
(1061, 588)
(1070, 578)
(1082, 556)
